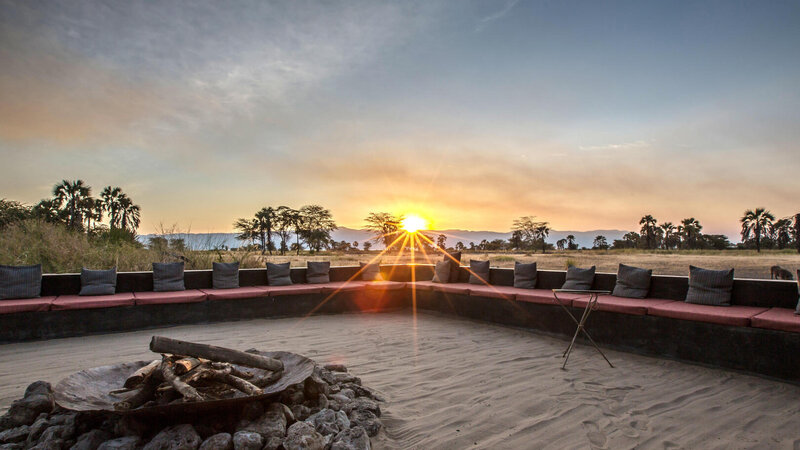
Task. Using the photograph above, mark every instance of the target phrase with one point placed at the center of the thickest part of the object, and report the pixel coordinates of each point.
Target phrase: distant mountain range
(207, 241)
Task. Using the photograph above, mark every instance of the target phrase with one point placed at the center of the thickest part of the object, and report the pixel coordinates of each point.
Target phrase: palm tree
(669, 234)
(265, 218)
(690, 231)
(571, 245)
(384, 227)
(600, 242)
(70, 195)
(129, 214)
(648, 231)
(756, 222)
(782, 232)
(110, 199)
(561, 243)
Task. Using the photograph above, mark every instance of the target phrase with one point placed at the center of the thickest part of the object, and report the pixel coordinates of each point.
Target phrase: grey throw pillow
(579, 279)
(168, 277)
(225, 275)
(20, 281)
(318, 272)
(371, 272)
(454, 266)
(632, 282)
(479, 272)
(98, 282)
(710, 287)
(525, 275)
(441, 272)
(279, 274)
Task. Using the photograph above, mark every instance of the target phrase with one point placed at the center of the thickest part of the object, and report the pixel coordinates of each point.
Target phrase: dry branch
(140, 375)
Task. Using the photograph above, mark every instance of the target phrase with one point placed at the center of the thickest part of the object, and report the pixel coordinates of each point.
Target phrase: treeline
(73, 206)
(311, 225)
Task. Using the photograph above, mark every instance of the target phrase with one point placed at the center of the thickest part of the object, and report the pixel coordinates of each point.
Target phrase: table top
(580, 291)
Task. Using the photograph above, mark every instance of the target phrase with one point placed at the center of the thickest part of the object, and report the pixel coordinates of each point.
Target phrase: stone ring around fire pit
(90, 389)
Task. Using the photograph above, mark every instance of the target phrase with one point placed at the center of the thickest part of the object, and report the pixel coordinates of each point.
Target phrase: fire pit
(198, 397)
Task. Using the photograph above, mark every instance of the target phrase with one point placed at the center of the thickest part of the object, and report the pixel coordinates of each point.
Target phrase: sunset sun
(413, 223)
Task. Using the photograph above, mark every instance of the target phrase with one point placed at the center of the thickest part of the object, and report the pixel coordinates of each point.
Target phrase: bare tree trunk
(160, 344)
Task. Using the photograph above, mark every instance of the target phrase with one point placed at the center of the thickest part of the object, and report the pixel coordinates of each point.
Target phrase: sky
(585, 114)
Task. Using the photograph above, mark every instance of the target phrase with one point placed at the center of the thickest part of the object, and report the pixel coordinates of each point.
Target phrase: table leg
(585, 316)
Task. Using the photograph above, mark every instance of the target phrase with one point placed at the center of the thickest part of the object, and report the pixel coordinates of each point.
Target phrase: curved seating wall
(758, 334)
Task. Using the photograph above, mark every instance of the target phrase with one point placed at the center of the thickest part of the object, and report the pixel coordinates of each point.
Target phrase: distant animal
(779, 273)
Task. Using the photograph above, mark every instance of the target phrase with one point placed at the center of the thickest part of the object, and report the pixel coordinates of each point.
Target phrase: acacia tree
(797, 231)
(561, 243)
(285, 221)
(756, 223)
(247, 229)
(600, 242)
(781, 232)
(316, 225)
(384, 227)
(532, 231)
(441, 242)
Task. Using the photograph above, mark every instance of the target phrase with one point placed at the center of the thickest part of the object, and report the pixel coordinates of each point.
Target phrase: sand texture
(453, 383)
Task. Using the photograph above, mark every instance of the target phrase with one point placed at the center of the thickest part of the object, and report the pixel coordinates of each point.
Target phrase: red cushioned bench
(610, 303)
(723, 315)
(385, 285)
(341, 286)
(495, 291)
(448, 288)
(544, 296)
(782, 319)
(64, 302)
(293, 289)
(25, 305)
(237, 293)
(162, 298)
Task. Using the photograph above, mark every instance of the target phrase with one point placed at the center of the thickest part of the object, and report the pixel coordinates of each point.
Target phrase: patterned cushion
(709, 287)
(225, 275)
(454, 266)
(478, 272)
(20, 282)
(168, 277)
(579, 279)
(279, 274)
(98, 282)
(318, 272)
(371, 272)
(632, 282)
(525, 275)
(441, 272)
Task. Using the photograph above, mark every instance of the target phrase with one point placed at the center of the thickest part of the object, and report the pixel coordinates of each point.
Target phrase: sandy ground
(453, 383)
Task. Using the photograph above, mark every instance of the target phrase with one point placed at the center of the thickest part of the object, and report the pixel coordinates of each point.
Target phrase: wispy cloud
(634, 145)
(497, 15)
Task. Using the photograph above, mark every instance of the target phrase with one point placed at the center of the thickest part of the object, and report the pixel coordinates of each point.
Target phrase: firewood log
(160, 344)
(189, 393)
(185, 365)
(140, 375)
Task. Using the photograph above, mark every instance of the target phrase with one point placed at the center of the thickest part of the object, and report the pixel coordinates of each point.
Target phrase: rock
(252, 411)
(38, 387)
(54, 444)
(366, 419)
(273, 443)
(342, 378)
(271, 423)
(301, 412)
(322, 401)
(37, 429)
(287, 412)
(14, 446)
(355, 438)
(219, 441)
(302, 436)
(247, 440)
(178, 437)
(329, 421)
(363, 391)
(314, 385)
(363, 403)
(123, 443)
(57, 433)
(14, 435)
(348, 393)
(91, 440)
(336, 367)
(38, 399)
